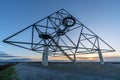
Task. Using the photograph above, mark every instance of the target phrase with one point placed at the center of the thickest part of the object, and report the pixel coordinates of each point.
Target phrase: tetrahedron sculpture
(58, 33)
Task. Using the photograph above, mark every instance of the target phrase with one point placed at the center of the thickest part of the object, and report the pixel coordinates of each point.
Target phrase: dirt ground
(68, 71)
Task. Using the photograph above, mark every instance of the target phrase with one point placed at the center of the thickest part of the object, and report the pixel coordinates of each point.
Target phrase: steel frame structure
(54, 30)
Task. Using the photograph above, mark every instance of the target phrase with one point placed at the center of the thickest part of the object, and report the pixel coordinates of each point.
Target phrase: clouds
(4, 57)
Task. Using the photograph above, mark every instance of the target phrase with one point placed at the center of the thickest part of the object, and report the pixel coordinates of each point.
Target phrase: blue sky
(101, 16)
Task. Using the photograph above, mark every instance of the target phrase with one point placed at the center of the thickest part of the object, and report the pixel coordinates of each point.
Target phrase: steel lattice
(63, 33)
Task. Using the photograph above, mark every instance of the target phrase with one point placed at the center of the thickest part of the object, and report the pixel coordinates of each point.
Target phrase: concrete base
(45, 56)
(100, 56)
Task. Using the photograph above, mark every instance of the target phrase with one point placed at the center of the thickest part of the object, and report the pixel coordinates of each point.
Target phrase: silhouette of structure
(57, 33)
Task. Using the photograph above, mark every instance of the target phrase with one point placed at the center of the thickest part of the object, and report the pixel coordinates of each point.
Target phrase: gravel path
(31, 71)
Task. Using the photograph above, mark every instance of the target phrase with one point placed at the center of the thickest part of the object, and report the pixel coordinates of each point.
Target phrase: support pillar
(74, 58)
(45, 56)
(100, 56)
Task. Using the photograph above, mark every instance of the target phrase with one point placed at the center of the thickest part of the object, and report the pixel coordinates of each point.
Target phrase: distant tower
(57, 33)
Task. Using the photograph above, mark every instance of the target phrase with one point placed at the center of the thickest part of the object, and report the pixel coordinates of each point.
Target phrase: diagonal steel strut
(61, 49)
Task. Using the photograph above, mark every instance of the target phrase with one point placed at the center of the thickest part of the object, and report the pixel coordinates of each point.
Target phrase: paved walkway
(30, 72)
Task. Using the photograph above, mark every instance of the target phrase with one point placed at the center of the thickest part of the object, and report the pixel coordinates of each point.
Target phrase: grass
(8, 74)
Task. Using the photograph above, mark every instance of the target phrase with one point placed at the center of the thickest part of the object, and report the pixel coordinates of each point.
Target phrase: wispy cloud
(4, 57)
